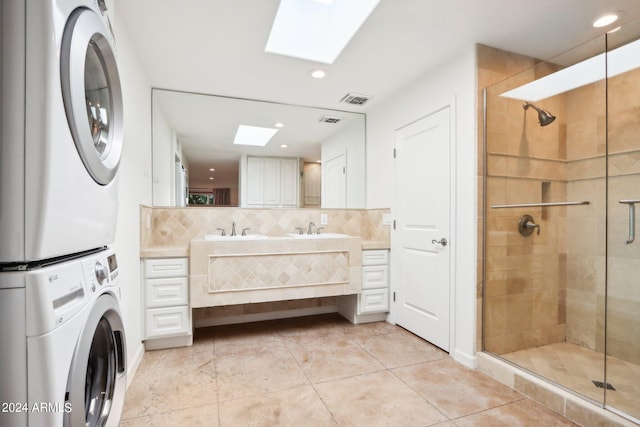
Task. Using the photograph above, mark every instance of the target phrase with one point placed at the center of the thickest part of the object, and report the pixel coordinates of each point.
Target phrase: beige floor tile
(455, 389)
(237, 345)
(399, 349)
(377, 399)
(299, 406)
(318, 371)
(171, 387)
(199, 416)
(521, 413)
(253, 374)
(327, 359)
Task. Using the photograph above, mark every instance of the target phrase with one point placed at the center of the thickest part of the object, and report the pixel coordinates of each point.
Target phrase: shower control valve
(526, 225)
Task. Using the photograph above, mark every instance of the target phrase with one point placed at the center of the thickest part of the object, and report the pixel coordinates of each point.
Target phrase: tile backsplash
(176, 227)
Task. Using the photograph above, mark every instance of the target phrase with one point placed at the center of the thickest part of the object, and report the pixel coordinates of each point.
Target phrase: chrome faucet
(244, 231)
(318, 230)
(300, 230)
(311, 224)
(233, 229)
(222, 231)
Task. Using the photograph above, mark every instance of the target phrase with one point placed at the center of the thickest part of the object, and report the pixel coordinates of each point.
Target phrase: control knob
(101, 273)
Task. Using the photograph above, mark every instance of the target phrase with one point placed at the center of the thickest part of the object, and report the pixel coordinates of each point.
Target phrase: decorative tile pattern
(261, 271)
(176, 227)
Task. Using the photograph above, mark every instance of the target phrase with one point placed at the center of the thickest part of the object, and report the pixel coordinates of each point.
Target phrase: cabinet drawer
(373, 301)
(166, 267)
(163, 322)
(375, 257)
(375, 276)
(166, 292)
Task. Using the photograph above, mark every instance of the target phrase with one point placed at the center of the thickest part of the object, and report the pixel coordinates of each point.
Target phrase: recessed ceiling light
(212, 169)
(605, 20)
(614, 30)
(316, 30)
(318, 74)
(284, 146)
(211, 178)
(253, 135)
(279, 125)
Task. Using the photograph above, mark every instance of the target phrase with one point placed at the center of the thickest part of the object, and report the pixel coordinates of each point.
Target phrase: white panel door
(421, 250)
(335, 193)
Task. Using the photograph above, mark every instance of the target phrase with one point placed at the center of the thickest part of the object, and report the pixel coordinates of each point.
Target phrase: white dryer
(63, 358)
(61, 129)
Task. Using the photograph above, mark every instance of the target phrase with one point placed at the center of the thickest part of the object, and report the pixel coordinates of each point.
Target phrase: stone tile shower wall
(525, 276)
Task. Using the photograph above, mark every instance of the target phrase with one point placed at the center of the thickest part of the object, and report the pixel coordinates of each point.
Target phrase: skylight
(616, 62)
(253, 135)
(317, 30)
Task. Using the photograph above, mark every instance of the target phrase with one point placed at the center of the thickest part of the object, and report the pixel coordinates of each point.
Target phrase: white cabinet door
(271, 182)
(255, 181)
(289, 182)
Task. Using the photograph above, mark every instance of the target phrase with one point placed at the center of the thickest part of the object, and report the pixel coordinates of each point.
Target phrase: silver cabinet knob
(442, 242)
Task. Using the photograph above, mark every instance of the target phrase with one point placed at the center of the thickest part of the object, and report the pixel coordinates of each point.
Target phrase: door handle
(442, 242)
(632, 219)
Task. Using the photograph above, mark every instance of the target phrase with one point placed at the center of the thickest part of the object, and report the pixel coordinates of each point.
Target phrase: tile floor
(577, 367)
(319, 371)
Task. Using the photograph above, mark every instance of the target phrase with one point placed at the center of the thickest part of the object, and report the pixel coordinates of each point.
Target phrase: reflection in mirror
(315, 158)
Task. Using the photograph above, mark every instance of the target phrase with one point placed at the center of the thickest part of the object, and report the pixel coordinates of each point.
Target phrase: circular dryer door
(92, 94)
(97, 377)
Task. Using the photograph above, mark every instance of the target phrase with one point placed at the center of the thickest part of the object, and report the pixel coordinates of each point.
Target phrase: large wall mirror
(315, 158)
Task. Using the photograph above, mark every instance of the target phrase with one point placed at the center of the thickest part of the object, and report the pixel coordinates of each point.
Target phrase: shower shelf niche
(535, 205)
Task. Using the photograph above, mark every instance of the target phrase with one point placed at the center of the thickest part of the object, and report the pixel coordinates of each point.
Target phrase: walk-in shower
(561, 271)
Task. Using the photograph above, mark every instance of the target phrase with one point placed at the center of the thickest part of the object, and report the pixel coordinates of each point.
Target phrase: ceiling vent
(355, 99)
(329, 119)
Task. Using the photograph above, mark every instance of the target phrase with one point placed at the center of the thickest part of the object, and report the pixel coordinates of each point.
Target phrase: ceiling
(217, 46)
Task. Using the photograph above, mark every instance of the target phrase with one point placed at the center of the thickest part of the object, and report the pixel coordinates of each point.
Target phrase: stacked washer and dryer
(62, 341)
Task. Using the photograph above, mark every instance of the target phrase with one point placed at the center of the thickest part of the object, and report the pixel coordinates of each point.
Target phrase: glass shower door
(622, 387)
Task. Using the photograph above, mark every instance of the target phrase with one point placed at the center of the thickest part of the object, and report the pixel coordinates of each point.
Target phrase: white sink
(227, 237)
(317, 236)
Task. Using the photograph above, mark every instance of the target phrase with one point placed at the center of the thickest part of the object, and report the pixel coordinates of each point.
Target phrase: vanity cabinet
(272, 182)
(372, 303)
(167, 316)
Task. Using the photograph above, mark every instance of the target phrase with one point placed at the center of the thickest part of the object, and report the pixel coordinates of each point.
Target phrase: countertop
(183, 251)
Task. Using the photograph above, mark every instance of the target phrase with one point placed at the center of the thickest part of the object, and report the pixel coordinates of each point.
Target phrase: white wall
(452, 83)
(135, 187)
(349, 141)
(163, 160)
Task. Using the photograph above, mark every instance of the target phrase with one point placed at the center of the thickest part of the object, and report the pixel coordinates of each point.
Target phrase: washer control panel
(57, 292)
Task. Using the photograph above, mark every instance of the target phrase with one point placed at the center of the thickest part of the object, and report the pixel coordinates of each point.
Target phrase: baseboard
(134, 363)
(466, 359)
(258, 317)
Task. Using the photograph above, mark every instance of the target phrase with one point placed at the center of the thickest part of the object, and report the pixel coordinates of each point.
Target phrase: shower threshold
(540, 377)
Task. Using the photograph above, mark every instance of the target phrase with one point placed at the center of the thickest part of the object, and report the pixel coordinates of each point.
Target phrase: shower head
(544, 117)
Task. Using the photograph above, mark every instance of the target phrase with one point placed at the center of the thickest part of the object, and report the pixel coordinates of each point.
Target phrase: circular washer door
(97, 377)
(92, 94)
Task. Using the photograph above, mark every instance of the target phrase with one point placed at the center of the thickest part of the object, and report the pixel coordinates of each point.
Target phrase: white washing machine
(61, 128)
(63, 360)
